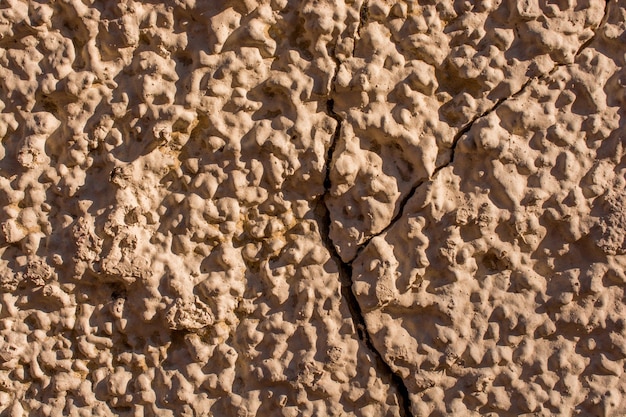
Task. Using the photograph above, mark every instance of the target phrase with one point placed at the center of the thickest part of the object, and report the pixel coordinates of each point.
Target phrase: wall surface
(312, 208)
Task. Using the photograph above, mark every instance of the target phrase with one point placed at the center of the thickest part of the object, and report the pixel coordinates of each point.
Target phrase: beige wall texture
(312, 208)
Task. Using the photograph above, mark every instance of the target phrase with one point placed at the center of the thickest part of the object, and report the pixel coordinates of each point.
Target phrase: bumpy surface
(312, 208)
(161, 255)
(421, 73)
(500, 289)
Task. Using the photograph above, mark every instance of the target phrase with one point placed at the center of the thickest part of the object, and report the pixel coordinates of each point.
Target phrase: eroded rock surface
(162, 165)
(311, 208)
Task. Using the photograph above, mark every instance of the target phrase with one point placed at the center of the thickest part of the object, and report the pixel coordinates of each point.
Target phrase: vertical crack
(363, 15)
(358, 320)
(345, 277)
(345, 269)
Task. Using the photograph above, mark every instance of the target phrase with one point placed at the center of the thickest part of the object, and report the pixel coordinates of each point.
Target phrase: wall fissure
(345, 268)
(345, 277)
(172, 241)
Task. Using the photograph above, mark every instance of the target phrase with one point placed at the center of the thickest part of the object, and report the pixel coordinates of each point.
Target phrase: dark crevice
(345, 278)
(602, 23)
(330, 103)
(344, 268)
(363, 16)
(455, 141)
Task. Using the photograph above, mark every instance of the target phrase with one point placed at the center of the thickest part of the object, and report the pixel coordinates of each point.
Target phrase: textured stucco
(312, 208)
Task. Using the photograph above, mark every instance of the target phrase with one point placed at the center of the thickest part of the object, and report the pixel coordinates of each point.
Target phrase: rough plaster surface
(312, 208)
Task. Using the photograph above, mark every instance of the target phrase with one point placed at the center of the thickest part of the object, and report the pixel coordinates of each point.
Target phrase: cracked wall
(311, 208)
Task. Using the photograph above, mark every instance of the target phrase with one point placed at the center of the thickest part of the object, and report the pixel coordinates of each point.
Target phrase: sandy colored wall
(312, 208)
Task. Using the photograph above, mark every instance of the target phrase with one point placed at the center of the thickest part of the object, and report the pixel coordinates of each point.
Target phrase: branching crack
(467, 128)
(345, 277)
(358, 320)
(345, 268)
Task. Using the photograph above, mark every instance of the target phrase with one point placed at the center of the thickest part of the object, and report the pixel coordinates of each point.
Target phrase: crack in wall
(595, 33)
(363, 16)
(345, 277)
(467, 128)
(345, 268)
